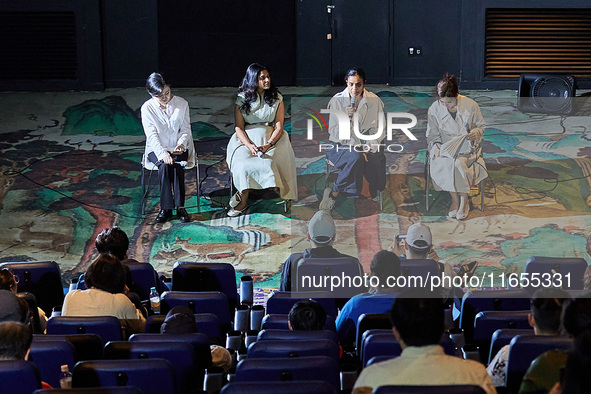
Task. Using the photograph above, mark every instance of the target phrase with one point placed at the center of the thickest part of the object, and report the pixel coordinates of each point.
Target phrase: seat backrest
(299, 335)
(279, 322)
(322, 274)
(88, 346)
(368, 321)
(143, 277)
(199, 342)
(450, 389)
(570, 271)
(207, 323)
(192, 276)
(106, 327)
(92, 390)
(188, 372)
(33, 310)
(282, 348)
(487, 322)
(289, 369)
(418, 267)
(213, 302)
(308, 387)
(524, 349)
(490, 300)
(152, 376)
(49, 356)
(281, 302)
(19, 376)
(502, 337)
(42, 278)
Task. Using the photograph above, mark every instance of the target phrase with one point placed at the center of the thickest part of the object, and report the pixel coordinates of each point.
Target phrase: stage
(70, 167)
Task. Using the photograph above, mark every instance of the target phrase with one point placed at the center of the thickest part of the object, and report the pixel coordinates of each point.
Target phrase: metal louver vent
(38, 46)
(537, 41)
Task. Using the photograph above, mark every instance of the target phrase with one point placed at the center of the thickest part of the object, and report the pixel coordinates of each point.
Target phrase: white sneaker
(327, 203)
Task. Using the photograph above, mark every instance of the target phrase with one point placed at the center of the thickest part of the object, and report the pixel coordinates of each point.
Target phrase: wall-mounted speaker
(546, 93)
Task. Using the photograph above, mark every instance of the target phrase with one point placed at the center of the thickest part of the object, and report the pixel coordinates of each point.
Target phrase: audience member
(15, 343)
(9, 282)
(544, 372)
(181, 320)
(576, 378)
(418, 326)
(384, 269)
(105, 279)
(546, 308)
(321, 234)
(306, 315)
(10, 307)
(115, 241)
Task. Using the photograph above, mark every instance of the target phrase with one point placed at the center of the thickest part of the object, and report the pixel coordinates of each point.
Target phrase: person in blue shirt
(384, 268)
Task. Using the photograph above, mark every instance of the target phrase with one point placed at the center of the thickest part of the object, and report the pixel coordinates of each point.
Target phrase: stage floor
(70, 167)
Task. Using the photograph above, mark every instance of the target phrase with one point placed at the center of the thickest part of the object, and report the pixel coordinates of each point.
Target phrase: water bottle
(66, 377)
(155, 300)
(73, 284)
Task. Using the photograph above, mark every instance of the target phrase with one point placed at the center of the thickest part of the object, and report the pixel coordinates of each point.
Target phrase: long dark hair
(249, 86)
(155, 84)
(447, 86)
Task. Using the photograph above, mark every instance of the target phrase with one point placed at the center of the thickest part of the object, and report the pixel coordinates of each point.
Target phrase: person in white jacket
(169, 145)
(453, 116)
(355, 158)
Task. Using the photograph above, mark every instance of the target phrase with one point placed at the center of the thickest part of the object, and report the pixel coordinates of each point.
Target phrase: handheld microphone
(260, 154)
(353, 101)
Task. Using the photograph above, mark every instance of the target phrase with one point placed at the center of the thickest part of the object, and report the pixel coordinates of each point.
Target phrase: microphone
(260, 154)
(181, 163)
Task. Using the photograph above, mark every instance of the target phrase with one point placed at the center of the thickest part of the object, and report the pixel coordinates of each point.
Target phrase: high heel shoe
(235, 200)
(235, 212)
(452, 214)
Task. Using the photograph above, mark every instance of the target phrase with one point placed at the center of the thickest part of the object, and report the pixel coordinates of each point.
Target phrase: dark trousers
(172, 181)
(353, 166)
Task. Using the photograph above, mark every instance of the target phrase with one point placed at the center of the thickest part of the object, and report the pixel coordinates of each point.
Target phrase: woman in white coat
(451, 118)
(169, 145)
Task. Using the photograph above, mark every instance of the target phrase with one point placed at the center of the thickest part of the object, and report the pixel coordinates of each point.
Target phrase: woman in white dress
(451, 117)
(259, 153)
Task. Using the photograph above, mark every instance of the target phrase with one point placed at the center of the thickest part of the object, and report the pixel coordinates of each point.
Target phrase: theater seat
(289, 369)
(19, 377)
(88, 346)
(199, 342)
(207, 323)
(106, 327)
(213, 302)
(487, 322)
(298, 335)
(49, 356)
(503, 337)
(273, 322)
(281, 302)
(451, 389)
(293, 348)
(152, 376)
(308, 387)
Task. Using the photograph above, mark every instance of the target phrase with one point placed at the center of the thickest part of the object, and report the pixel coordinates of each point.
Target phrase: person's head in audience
(114, 241)
(321, 229)
(8, 281)
(576, 316)
(546, 309)
(12, 308)
(179, 320)
(384, 265)
(417, 320)
(106, 273)
(15, 341)
(576, 378)
(307, 315)
(418, 242)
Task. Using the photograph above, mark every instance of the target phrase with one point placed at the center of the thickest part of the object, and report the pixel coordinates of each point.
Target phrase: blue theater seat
(189, 372)
(213, 302)
(502, 337)
(308, 387)
(289, 369)
(106, 327)
(19, 377)
(557, 267)
(152, 376)
(419, 267)
(199, 342)
(88, 346)
(311, 271)
(487, 322)
(192, 276)
(370, 321)
(207, 323)
(293, 348)
(273, 322)
(281, 302)
(42, 278)
(524, 349)
(297, 335)
(49, 356)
